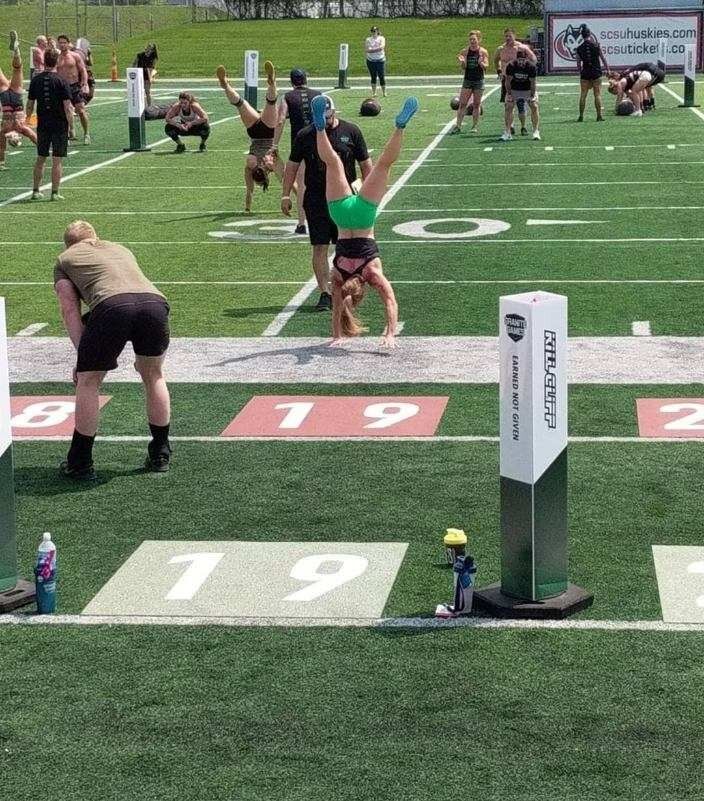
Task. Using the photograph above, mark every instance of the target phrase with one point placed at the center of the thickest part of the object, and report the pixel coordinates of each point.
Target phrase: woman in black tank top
(263, 158)
(475, 60)
(11, 100)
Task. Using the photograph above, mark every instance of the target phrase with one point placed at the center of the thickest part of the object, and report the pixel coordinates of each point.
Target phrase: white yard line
(578, 624)
(277, 324)
(534, 208)
(431, 440)
(679, 99)
(86, 170)
(641, 328)
(32, 329)
(559, 183)
(420, 281)
(559, 164)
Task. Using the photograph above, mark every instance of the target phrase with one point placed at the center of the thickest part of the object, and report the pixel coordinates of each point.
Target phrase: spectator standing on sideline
(124, 306)
(348, 142)
(146, 60)
(375, 49)
(52, 96)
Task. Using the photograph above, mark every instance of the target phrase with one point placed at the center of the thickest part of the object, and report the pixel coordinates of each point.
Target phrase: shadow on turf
(45, 481)
(304, 355)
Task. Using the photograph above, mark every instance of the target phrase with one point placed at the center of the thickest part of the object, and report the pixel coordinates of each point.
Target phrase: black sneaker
(159, 463)
(513, 130)
(325, 302)
(524, 132)
(300, 229)
(202, 147)
(180, 148)
(85, 473)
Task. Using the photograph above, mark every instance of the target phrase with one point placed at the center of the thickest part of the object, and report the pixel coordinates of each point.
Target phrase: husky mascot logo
(515, 326)
(567, 42)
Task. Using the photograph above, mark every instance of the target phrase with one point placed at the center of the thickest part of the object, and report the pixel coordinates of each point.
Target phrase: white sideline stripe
(465, 438)
(15, 619)
(565, 222)
(90, 169)
(559, 164)
(32, 329)
(593, 147)
(679, 99)
(420, 281)
(277, 324)
(641, 328)
(505, 208)
(550, 183)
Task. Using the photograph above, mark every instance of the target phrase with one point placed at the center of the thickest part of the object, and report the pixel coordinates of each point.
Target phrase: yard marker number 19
(307, 569)
(384, 415)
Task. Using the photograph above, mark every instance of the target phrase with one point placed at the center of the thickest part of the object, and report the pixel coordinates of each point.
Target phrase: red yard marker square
(44, 416)
(670, 417)
(335, 416)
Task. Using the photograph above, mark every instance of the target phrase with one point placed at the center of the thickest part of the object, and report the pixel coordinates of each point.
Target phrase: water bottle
(45, 576)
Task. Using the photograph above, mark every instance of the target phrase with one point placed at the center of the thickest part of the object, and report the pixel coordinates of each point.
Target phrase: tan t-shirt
(100, 269)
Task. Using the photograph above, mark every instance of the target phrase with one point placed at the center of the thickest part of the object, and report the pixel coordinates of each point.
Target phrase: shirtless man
(38, 56)
(72, 69)
(507, 53)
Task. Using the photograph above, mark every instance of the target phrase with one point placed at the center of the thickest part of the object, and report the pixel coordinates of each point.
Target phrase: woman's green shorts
(352, 212)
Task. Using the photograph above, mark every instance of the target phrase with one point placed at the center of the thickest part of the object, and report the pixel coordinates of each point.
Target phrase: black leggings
(376, 71)
(202, 130)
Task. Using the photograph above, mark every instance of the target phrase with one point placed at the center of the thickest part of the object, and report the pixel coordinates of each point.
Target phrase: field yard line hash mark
(32, 329)
(277, 324)
(15, 619)
(300, 241)
(641, 328)
(420, 281)
(92, 168)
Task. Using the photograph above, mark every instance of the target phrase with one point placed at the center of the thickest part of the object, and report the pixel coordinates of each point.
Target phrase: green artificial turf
(129, 714)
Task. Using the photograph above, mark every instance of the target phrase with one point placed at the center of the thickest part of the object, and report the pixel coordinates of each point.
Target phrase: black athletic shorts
(321, 229)
(77, 97)
(590, 75)
(140, 318)
(53, 139)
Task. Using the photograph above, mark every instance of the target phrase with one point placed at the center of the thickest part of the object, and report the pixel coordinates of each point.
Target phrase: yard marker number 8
(308, 569)
(45, 414)
(194, 576)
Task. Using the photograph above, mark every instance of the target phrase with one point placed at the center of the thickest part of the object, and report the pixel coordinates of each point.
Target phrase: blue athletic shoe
(319, 107)
(409, 109)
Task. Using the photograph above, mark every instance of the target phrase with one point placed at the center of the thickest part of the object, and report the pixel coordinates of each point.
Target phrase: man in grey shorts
(521, 80)
(124, 306)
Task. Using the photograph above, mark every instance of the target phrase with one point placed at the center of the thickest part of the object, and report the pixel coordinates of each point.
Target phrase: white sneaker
(536, 134)
(3, 166)
(506, 136)
(87, 140)
(637, 114)
(37, 195)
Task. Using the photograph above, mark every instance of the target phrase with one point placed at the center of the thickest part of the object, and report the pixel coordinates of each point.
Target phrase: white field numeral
(690, 422)
(384, 415)
(697, 567)
(202, 565)
(46, 414)
(298, 411)
(307, 569)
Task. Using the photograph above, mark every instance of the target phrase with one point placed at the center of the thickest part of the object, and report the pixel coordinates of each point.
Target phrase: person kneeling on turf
(124, 307)
(187, 118)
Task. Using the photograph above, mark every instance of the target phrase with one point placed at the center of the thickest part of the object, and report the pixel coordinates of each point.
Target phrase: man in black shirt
(590, 59)
(296, 108)
(521, 76)
(348, 142)
(146, 61)
(52, 96)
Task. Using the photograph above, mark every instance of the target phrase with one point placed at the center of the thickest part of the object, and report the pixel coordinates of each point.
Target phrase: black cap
(298, 76)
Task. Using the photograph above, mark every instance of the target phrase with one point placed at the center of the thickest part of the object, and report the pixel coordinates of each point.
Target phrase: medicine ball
(625, 108)
(370, 107)
(455, 103)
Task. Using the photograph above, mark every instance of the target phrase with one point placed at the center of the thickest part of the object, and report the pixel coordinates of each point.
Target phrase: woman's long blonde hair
(352, 294)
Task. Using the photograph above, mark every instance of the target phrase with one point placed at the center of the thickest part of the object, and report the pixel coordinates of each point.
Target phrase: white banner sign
(251, 67)
(135, 92)
(344, 56)
(626, 39)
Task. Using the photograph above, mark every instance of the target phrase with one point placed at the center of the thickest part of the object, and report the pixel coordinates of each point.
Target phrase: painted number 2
(690, 422)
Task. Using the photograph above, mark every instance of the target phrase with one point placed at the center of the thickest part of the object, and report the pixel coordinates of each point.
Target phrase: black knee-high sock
(80, 454)
(160, 439)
